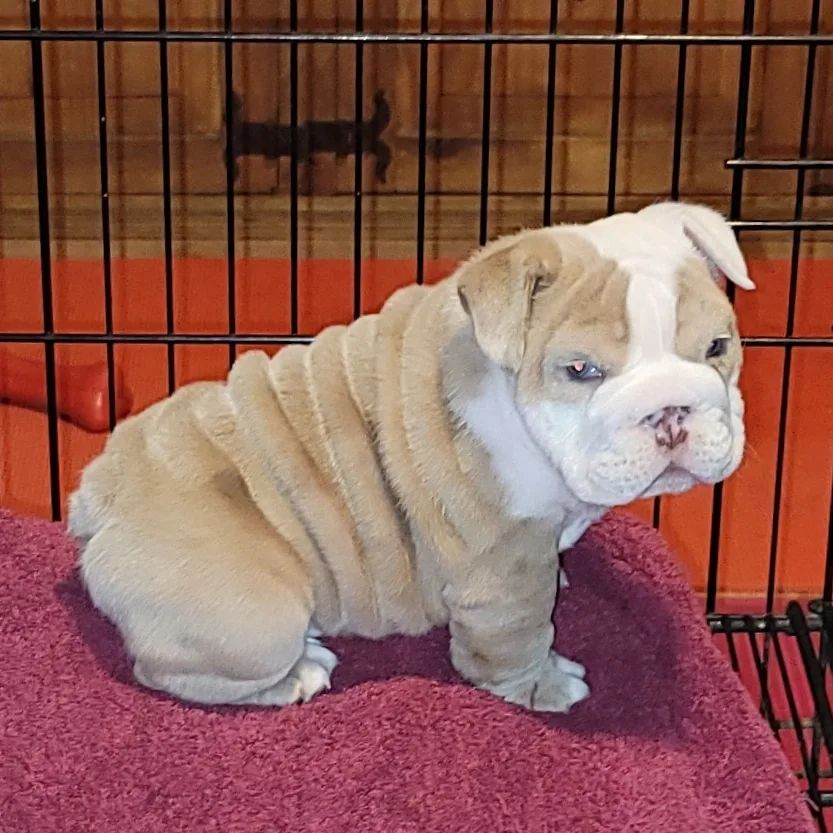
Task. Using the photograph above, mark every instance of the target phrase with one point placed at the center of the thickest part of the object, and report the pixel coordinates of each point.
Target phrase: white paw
(283, 693)
(314, 668)
(312, 677)
(559, 686)
(563, 581)
(568, 666)
(315, 651)
(308, 677)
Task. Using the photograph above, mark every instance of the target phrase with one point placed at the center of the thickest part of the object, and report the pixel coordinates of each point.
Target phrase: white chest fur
(533, 488)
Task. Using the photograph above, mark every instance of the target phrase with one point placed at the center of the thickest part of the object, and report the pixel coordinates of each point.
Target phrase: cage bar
(804, 141)
(104, 184)
(549, 146)
(167, 221)
(208, 36)
(422, 142)
(676, 162)
(780, 164)
(679, 105)
(291, 338)
(827, 587)
(809, 657)
(485, 132)
(780, 225)
(810, 771)
(615, 107)
(231, 255)
(735, 207)
(44, 235)
(293, 170)
(357, 168)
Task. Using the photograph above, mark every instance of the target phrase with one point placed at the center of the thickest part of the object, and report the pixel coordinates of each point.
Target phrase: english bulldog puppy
(420, 467)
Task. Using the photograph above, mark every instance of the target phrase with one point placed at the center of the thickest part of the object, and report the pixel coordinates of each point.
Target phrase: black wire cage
(791, 651)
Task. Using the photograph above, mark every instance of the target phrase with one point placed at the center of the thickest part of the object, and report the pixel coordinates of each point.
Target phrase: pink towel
(667, 742)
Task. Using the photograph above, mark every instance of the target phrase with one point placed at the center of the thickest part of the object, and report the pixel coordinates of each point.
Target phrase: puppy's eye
(581, 371)
(719, 347)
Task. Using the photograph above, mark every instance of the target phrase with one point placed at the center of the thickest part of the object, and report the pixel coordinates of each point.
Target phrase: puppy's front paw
(559, 686)
(569, 666)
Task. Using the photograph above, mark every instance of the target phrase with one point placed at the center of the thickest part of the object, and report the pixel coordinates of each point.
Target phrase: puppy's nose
(669, 426)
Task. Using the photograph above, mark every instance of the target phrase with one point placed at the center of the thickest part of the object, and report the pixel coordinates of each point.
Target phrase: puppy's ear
(497, 288)
(710, 235)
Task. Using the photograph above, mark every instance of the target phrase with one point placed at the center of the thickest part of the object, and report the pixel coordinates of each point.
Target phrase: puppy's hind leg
(309, 676)
(306, 678)
(264, 660)
(214, 608)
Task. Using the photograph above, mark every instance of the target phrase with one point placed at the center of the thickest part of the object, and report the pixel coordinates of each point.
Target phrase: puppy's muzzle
(664, 395)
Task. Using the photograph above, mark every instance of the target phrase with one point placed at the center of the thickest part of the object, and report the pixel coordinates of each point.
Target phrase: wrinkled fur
(330, 486)
(336, 489)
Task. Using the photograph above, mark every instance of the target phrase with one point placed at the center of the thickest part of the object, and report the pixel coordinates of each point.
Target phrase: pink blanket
(667, 742)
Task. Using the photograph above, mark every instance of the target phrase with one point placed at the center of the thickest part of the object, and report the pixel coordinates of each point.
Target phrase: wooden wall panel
(327, 92)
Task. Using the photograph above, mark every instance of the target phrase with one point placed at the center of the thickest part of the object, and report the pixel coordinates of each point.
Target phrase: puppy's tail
(89, 505)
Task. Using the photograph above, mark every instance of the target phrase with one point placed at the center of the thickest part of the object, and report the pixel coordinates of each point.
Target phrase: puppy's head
(624, 348)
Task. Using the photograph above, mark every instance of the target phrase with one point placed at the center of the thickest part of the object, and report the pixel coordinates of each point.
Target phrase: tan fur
(584, 316)
(335, 488)
(703, 311)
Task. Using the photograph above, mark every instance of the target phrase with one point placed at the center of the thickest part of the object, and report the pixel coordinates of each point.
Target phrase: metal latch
(271, 139)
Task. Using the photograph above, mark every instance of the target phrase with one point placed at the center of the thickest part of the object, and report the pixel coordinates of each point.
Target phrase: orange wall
(325, 296)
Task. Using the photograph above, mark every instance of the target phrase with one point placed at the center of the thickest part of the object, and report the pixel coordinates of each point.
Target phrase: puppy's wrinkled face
(628, 374)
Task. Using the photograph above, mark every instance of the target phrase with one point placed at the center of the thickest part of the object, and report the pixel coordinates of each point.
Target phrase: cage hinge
(341, 137)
